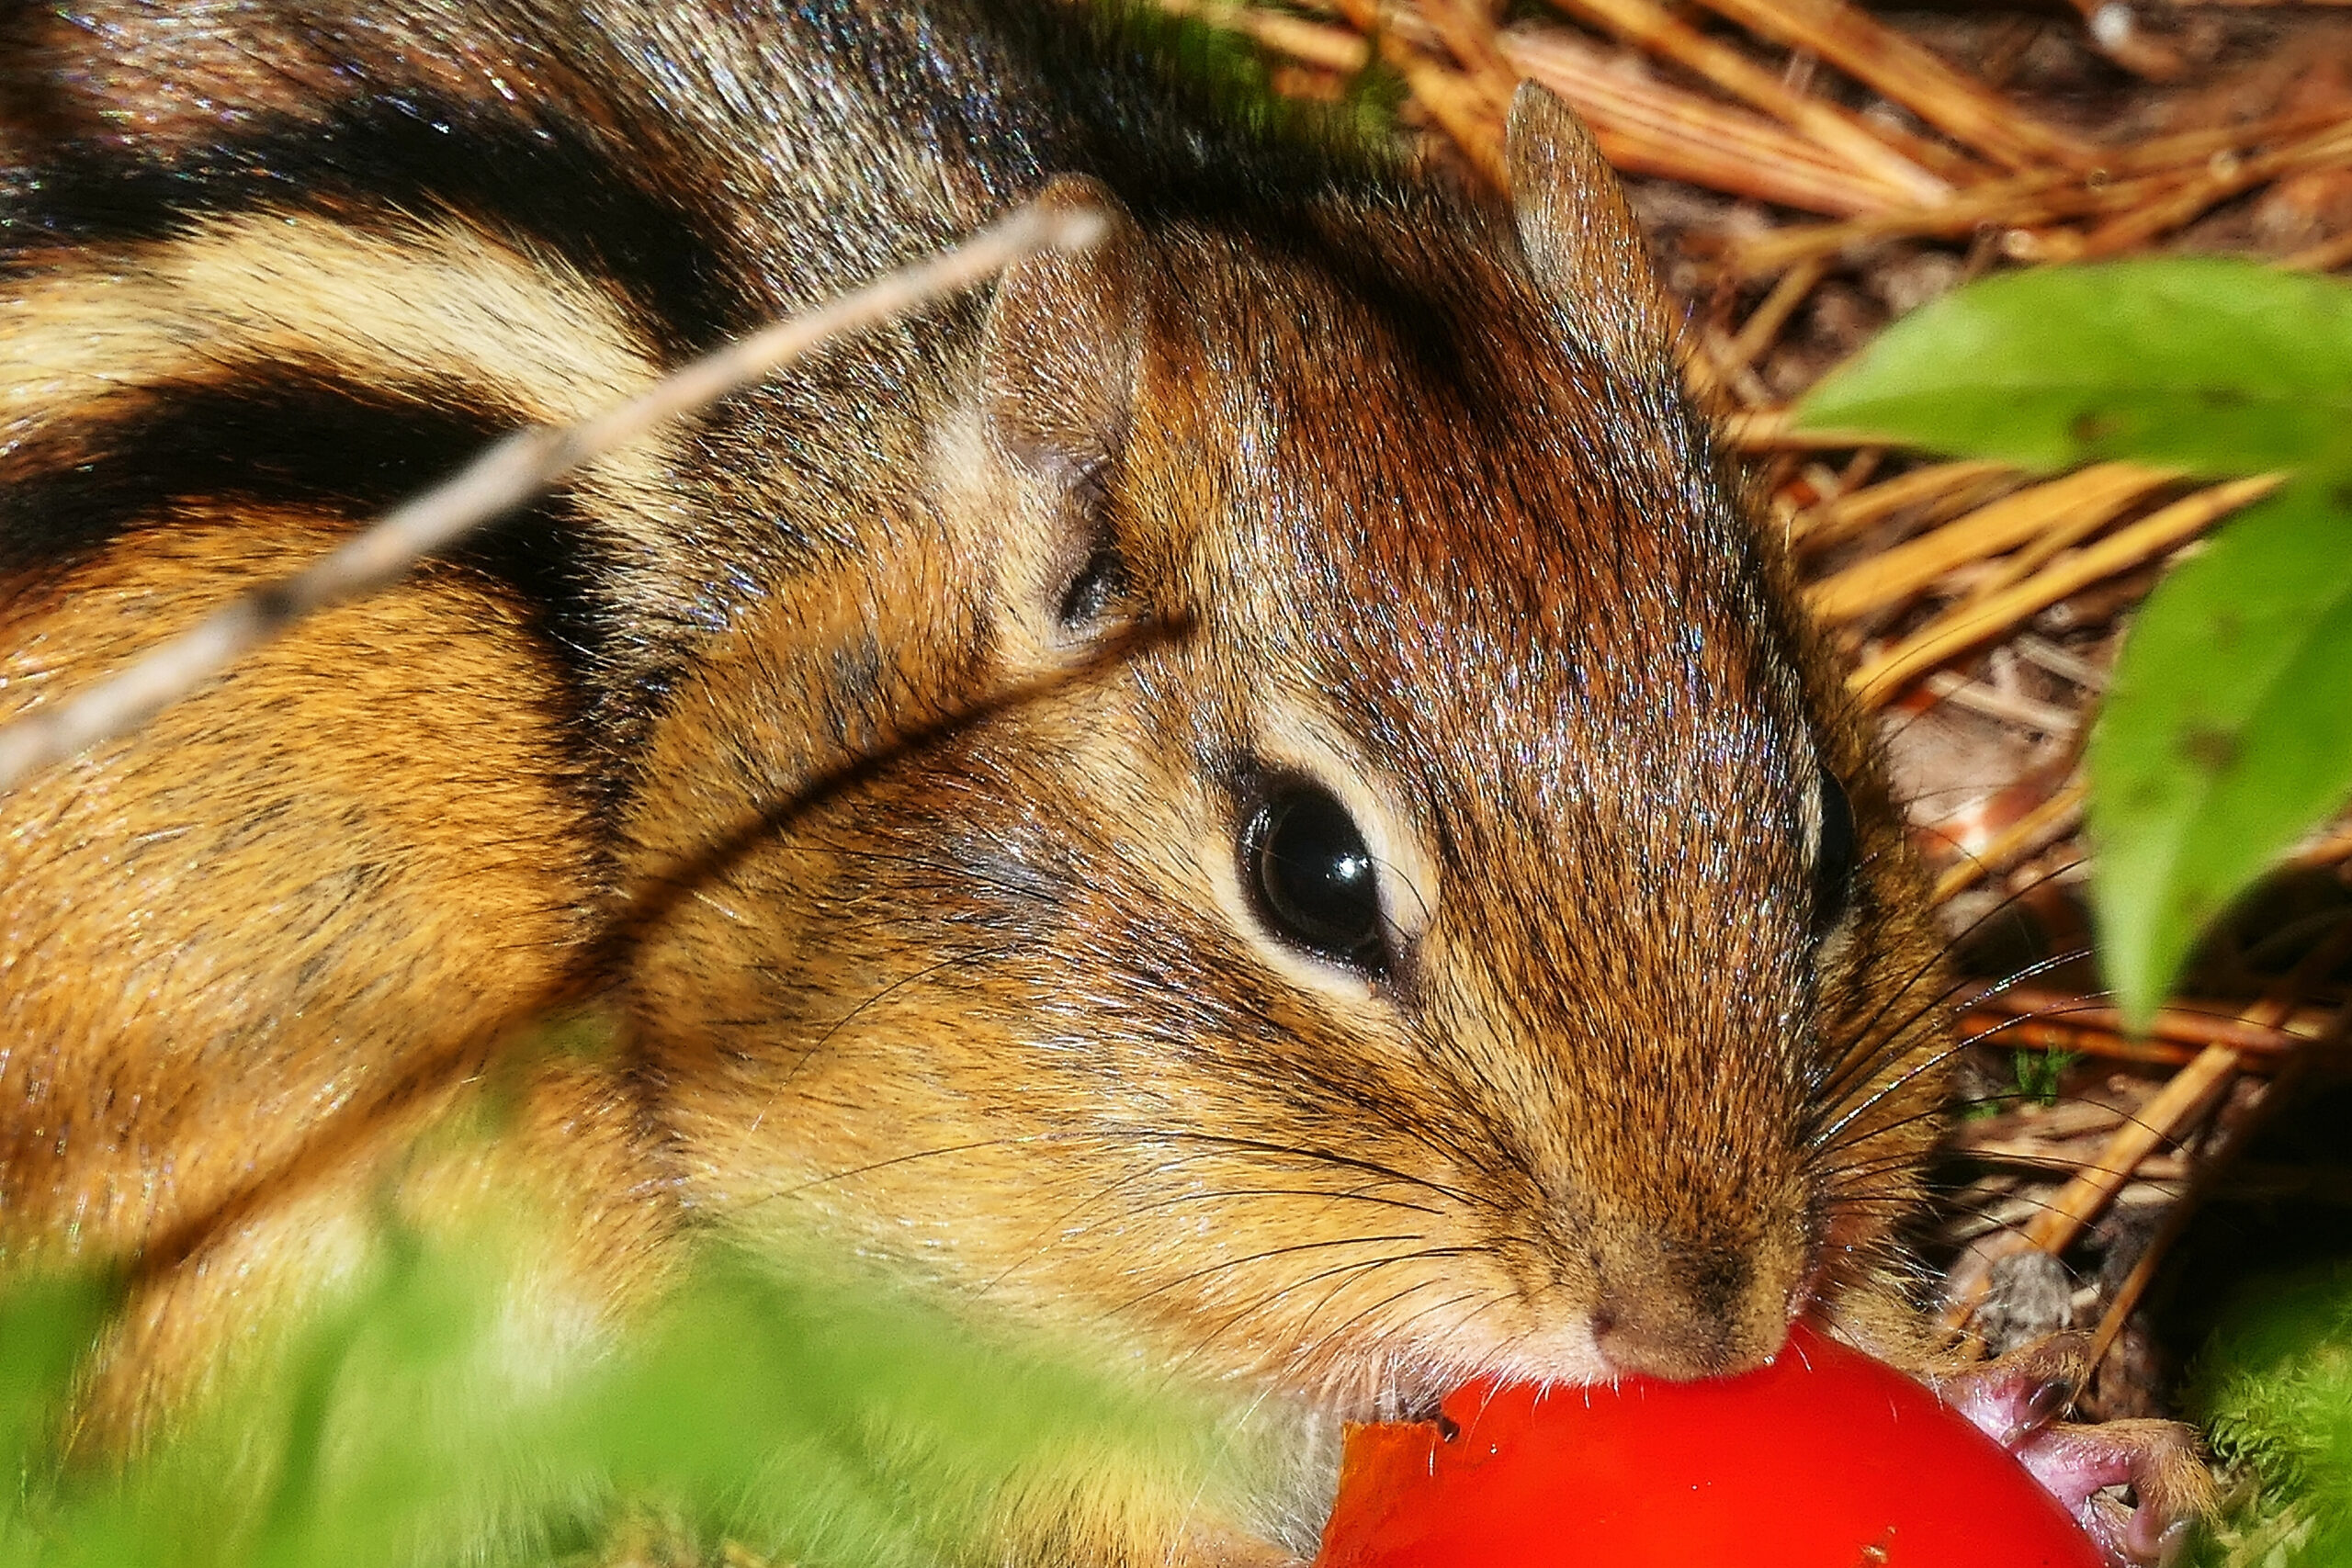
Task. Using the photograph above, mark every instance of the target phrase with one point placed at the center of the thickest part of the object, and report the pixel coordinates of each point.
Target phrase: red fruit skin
(1826, 1459)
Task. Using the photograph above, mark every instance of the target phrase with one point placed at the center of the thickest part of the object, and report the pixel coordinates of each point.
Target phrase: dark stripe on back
(272, 437)
(543, 182)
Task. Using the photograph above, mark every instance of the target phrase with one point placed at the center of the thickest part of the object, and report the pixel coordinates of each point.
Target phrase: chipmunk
(1253, 785)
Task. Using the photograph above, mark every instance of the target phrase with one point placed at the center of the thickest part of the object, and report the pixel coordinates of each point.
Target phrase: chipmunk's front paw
(2021, 1394)
(2158, 1461)
(2018, 1399)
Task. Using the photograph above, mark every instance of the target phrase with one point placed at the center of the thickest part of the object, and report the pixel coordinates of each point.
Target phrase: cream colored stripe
(437, 308)
(440, 302)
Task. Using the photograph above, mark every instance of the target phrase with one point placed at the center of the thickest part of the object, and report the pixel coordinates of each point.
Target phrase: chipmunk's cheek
(1567, 1353)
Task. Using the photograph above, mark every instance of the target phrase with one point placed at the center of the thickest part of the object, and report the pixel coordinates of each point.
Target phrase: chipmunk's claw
(2018, 1399)
(2158, 1461)
(2021, 1394)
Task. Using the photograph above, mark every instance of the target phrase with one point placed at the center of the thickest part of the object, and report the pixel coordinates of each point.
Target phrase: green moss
(2274, 1390)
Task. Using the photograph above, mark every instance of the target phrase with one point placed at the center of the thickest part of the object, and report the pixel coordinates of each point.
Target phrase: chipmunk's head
(1375, 885)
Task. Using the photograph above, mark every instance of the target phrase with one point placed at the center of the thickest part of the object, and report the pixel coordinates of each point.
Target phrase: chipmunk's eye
(1833, 857)
(1312, 877)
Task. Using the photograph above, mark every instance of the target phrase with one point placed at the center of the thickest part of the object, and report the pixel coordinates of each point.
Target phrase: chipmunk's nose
(1678, 1309)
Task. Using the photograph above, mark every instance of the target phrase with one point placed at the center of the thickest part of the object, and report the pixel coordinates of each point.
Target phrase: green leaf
(810, 1407)
(46, 1321)
(2205, 363)
(2225, 737)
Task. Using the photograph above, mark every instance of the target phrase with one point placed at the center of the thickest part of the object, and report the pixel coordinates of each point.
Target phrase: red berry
(1825, 1459)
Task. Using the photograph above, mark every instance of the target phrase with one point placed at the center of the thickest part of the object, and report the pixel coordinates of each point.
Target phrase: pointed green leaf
(2225, 735)
(2205, 363)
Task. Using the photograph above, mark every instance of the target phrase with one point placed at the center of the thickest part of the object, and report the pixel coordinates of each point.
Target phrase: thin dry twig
(1310, 43)
(2045, 824)
(2012, 708)
(2040, 197)
(1649, 27)
(2063, 535)
(2164, 1119)
(1467, 110)
(2188, 1024)
(1836, 521)
(505, 476)
(2222, 179)
(2200, 144)
(1468, 34)
(1978, 622)
(2114, 28)
(2061, 1158)
(2123, 180)
(1648, 127)
(1764, 324)
(1906, 74)
(2229, 1150)
(2103, 489)
(1769, 430)
(2066, 1037)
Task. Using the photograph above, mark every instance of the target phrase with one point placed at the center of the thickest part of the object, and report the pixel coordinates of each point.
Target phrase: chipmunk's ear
(1058, 360)
(1579, 235)
(1057, 369)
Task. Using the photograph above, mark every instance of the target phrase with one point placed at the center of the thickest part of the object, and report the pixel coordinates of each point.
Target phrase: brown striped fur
(880, 746)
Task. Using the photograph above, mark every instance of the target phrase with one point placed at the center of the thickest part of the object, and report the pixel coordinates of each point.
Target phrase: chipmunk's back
(1249, 790)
